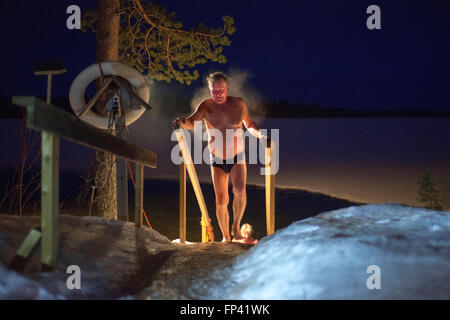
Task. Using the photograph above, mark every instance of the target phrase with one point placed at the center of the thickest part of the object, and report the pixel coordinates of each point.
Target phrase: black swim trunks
(222, 164)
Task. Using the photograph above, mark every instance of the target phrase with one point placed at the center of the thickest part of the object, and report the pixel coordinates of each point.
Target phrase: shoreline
(343, 195)
(161, 203)
(277, 187)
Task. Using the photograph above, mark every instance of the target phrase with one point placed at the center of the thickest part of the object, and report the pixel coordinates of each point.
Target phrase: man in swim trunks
(223, 112)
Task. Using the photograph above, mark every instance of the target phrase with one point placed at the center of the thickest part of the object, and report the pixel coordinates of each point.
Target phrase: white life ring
(81, 82)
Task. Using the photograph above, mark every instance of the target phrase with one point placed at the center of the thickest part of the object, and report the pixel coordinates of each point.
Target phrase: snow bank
(327, 256)
(16, 286)
(324, 257)
(111, 255)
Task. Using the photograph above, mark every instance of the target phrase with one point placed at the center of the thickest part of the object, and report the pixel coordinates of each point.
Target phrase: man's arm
(249, 123)
(188, 123)
(253, 127)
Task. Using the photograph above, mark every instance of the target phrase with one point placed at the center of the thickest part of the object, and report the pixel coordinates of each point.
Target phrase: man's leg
(220, 182)
(238, 175)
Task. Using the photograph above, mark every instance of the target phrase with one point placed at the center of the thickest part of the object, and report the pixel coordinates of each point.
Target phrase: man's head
(218, 86)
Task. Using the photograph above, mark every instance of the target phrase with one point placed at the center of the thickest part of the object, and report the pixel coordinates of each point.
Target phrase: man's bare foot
(236, 233)
(226, 240)
(246, 240)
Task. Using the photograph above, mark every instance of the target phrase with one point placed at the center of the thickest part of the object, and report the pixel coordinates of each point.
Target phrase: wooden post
(194, 180)
(121, 164)
(49, 199)
(121, 171)
(95, 98)
(23, 255)
(204, 237)
(49, 88)
(29, 244)
(139, 198)
(182, 203)
(122, 187)
(270, 195)
(49, 193)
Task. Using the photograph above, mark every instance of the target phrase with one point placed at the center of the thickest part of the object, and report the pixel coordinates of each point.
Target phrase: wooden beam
(182, 203)
(126, 86)
(29, 244)
(53, 72)
(139, 195)
(49, 198)
(97, 95)
(45, 67)
(25, 251)
(121, 170)
(44, 117)
(194, 178)
(270, 195)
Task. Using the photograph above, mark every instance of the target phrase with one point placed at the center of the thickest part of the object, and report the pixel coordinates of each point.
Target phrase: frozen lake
(369, 160)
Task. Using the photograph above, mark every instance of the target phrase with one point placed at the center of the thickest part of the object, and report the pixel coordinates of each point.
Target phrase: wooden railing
(207, 233)
(55, 123)
(270, 193)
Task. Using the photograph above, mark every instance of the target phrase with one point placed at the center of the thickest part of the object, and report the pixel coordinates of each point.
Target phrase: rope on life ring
(91, 73)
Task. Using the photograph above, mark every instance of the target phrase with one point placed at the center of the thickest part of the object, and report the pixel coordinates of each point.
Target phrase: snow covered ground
(111, 255)
(327, 256)
(323, 257)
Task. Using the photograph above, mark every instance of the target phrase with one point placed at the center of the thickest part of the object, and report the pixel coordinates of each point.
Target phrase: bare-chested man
(222, 112)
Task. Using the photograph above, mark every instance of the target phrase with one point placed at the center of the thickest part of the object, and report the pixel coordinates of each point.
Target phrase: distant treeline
(287, 109)
(173, 106)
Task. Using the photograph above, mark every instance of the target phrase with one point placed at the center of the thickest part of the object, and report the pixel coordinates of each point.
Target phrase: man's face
(219, 91)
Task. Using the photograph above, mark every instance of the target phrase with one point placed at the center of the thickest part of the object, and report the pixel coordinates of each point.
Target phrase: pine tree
(428, 194)
(146, 36)
(154, 42)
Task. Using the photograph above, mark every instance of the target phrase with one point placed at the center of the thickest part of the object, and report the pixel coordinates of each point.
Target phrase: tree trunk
(108, 30)
(107, 50)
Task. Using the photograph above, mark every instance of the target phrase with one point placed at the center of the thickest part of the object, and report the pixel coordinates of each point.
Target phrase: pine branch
(152, 41)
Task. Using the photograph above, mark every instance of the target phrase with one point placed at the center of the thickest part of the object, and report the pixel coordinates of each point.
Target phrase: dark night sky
(311, 51)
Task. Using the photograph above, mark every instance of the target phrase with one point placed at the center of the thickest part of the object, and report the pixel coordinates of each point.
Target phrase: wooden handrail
(187, 163)
(270, 194)
(44, 117)
(195, 183)
(182, 202)
(55, 123)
